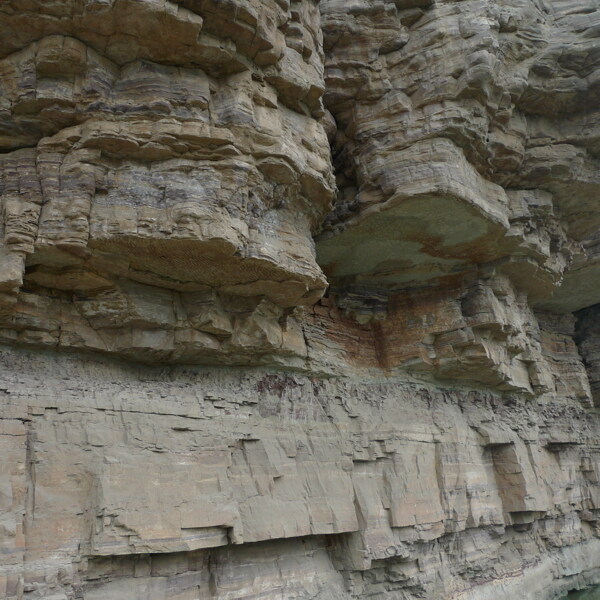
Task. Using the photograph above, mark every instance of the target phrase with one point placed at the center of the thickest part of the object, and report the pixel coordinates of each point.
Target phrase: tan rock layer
(389, 483)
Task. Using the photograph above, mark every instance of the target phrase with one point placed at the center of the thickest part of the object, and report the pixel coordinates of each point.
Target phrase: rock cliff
(299, 299)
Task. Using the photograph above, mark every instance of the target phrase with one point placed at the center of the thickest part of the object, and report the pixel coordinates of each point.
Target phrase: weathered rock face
(299, 299)
(141, 180)
(466, 151)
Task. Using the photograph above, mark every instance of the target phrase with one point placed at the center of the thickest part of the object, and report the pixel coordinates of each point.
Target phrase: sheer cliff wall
(299, 299)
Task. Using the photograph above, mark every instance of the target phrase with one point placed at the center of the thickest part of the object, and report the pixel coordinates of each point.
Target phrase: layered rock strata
(153, 194)
(132, 482)
(299, 299)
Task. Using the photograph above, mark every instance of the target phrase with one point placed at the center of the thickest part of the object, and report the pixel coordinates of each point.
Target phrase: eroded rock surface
(299, 299)
(139, 181)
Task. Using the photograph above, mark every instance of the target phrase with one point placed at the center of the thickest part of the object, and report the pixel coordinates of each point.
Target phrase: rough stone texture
(151, 163)
(461, 128)
(299, 300)
(132, 482)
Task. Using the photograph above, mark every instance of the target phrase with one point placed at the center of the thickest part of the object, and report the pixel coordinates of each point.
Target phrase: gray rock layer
(299, 300)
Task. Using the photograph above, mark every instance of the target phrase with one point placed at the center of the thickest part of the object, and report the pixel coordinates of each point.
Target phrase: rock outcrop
(156, 192)
(299, 299)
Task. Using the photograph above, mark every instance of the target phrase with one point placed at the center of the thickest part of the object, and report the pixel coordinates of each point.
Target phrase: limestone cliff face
(164, 169)
(299, 299)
